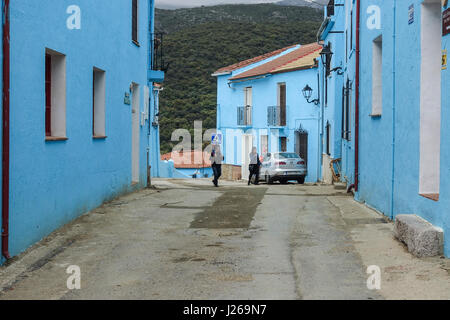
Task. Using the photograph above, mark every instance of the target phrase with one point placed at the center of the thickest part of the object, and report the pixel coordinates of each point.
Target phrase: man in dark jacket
(254, 166)
(216, 163)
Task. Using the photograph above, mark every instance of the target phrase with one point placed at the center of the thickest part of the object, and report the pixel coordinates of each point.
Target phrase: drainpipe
(321, 95)
(5, 132)
(150, 87)
(358, 25)
(394, 95)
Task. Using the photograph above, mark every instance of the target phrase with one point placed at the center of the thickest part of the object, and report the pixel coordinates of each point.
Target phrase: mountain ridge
(301, 3)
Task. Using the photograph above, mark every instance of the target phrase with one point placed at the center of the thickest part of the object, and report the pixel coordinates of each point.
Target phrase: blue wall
(391, 143)
(376, 133)
(54, 182)
(300, 114)
(389, 147)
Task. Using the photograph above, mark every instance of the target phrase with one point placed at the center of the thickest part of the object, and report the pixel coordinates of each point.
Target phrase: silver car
(283, 167)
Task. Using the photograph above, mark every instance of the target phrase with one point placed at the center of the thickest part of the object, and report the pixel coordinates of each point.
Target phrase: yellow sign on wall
(444, 59)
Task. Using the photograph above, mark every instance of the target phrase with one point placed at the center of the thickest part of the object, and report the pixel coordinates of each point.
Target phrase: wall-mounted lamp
(307, 93)
(326, 54)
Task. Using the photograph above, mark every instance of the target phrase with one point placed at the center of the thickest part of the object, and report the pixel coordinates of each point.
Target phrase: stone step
(421, 237)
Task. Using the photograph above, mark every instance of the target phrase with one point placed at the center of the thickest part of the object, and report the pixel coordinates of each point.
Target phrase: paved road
(189, 240)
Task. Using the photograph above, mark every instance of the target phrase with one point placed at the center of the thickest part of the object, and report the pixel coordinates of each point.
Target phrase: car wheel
(301, 180)
(269, 179)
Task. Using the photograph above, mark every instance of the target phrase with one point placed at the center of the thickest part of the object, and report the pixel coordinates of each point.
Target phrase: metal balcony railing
(276, 116)
(157, 53)
(244, 116)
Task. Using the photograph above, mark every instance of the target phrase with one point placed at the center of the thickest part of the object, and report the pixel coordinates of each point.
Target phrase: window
(377, 76)
(281, 104)
(430, 99)
(134, 21)
(98, 102)
(328, 138)
(248, 102)
(55, 95)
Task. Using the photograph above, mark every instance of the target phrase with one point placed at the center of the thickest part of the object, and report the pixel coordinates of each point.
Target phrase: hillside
(304, 3)
(199, 41)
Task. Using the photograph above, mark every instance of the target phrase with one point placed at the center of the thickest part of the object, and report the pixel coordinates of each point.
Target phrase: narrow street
(186, 239)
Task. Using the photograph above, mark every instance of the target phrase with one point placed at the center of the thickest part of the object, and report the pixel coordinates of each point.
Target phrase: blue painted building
(334, 79)
(83, 110)
(397, 157)
(260, 103)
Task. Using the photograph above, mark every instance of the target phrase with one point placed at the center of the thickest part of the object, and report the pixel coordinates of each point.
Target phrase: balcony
(157, 64)
(244, 116)
(276, 116)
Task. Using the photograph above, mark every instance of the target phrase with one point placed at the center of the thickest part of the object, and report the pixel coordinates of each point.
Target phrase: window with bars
(134, 20)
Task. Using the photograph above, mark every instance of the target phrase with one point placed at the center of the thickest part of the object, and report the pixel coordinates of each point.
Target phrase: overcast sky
(197, 3)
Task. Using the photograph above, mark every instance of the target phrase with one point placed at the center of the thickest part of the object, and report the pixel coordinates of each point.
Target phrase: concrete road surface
(188, 240)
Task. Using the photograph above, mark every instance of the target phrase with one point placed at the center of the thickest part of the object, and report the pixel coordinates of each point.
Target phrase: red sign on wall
(446, 22)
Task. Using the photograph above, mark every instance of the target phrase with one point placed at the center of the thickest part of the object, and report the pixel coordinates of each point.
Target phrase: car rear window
(286, 155)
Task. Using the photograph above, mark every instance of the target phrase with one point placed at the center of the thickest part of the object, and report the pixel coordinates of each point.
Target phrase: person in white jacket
(254, 165)
(216, 163)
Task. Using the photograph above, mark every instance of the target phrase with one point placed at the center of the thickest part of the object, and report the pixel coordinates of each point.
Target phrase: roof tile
(298, 59)
(248, 62)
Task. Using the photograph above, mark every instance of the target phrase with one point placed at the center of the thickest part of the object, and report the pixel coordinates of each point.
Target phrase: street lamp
(307, 93)
(326, 55)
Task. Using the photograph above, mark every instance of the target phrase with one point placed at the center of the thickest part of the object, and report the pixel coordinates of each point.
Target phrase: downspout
(394, 95)
(358, 25)
(150, 91)
(5, 131)
(321, 95)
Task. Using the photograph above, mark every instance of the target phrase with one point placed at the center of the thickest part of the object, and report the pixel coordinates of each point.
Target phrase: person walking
(216, 163)
(255, 163)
